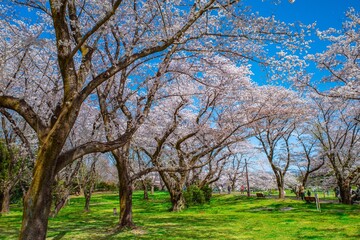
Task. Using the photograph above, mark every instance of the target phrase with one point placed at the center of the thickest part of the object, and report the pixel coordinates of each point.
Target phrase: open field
(226, 217)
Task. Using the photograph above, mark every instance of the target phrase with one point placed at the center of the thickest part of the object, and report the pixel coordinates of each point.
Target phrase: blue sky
(327, 13)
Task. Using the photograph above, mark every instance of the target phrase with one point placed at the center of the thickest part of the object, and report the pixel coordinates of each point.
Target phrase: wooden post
(115, 212)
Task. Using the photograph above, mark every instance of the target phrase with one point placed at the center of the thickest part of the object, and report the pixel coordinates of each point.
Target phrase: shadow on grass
(60, 235)
(226, 217)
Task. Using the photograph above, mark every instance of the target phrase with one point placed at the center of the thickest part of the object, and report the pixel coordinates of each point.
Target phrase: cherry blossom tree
(64, 185)
(235, 168)
(337, 130)
(210, 173)
(52, 63)
(87, 177)
(283, 109)
(309, 158)
(235, 171)
(339, 63)
(121, 104)
(196, 134)
(16, 156)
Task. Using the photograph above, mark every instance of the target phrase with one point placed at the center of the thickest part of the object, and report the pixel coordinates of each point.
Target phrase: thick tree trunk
(125, 193)
(5, 202)
(280, 186)
(37, 202)
(281, 192)
(177, 200)
(345, 192)
(125, 187)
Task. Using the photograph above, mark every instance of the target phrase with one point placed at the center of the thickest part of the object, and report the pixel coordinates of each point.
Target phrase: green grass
(226, 217)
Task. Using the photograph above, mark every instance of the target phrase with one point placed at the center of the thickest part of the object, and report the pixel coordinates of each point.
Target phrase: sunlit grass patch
(225, 217)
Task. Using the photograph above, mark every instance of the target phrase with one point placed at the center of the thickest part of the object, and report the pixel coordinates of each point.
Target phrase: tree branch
(25, 110)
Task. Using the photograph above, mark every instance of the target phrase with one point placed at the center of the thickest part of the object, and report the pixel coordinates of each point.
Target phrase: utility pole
(247, 179)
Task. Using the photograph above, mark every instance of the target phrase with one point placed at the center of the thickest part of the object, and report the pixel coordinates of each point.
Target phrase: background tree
(338, 132)
(340, 61)
(65, 184)
(309, 157)
(284, 110)
(16, 157)
(87, 178)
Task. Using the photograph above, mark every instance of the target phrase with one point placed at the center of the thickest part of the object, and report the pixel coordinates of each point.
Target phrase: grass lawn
(226, 217)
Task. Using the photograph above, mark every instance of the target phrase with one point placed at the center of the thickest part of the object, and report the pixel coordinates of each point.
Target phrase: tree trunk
(125, 193)
(162, 184)
(87, 195)
(1, 200)
(152, 189)
(345, 192)
(37, 202)
(125, 187)
(280, 185)
(146, 195)
(59, 205)
(60, 202)
(177, 200)
(88, 190)
(281, 192)
(233, 183)
(5, 203)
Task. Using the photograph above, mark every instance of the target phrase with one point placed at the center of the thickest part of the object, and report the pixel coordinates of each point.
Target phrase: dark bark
(125, 193)
(89, 185)
(1, 200)
(280, 185)
(60, 203)
(146, 195)
(345, 192)
(87, 195)
(304, 180)
(5, 201)
(125, 187)
(233, 186)
(88, 190)
(63, 188)
(175, 184)
(177, 200)
(37, 204)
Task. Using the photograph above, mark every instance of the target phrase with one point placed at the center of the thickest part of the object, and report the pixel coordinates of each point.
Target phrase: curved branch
(122, 63)
(25, 110)
(17, 131)
(97, 26)
(90, 147)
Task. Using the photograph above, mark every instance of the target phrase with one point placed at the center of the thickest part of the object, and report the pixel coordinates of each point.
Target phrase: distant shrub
(138, 185)
(106, 186)
(207, 192)
(193, 195)
(16, 194)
